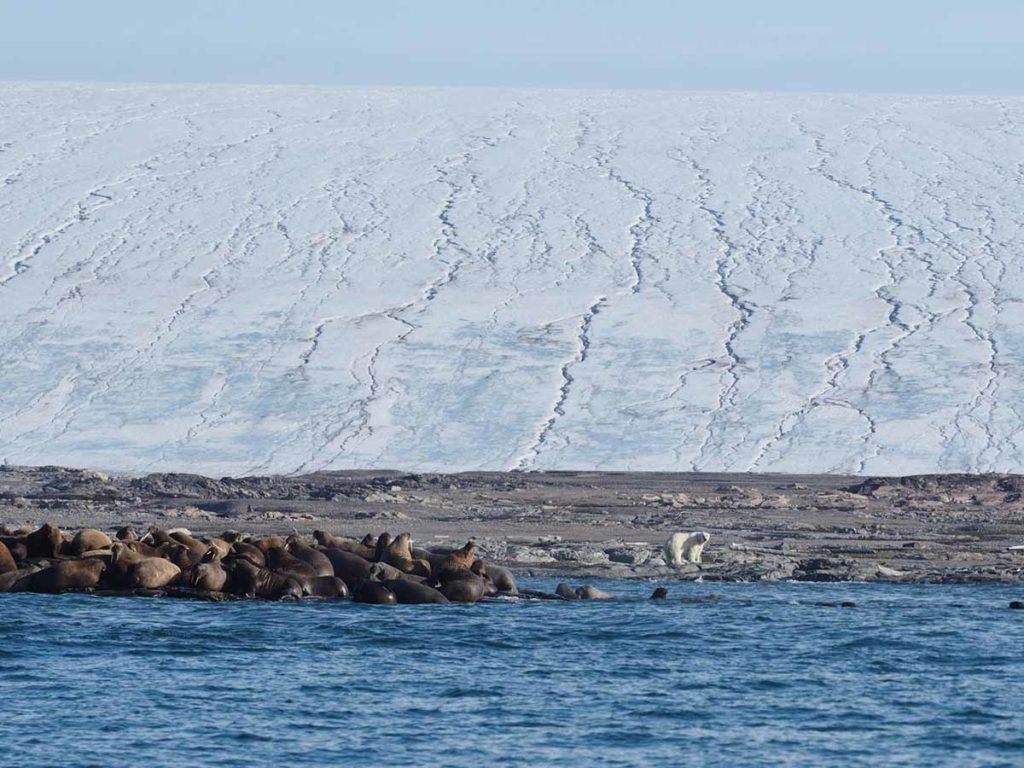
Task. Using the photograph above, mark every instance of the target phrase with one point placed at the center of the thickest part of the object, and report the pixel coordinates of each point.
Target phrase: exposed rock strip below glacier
(938, 528)
(276, 279)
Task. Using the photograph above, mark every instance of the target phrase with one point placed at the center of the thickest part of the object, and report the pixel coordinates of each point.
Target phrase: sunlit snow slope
(243, 279)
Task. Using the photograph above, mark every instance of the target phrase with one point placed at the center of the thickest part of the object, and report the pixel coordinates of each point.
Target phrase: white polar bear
(685, 547)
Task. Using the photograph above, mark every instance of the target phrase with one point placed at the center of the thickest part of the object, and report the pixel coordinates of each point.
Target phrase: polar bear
(685, 547)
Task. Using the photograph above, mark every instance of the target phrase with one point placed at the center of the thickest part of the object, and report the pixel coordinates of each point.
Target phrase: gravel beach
(934, 528)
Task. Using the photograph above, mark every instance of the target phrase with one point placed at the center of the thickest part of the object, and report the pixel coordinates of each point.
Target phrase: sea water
(913, 675)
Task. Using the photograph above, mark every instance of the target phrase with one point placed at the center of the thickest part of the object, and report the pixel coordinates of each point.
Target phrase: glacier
(249, 279)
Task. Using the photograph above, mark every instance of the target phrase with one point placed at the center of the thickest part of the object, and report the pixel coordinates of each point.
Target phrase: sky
(905, 46)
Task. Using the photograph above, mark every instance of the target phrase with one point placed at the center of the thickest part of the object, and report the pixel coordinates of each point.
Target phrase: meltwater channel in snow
(280, 279)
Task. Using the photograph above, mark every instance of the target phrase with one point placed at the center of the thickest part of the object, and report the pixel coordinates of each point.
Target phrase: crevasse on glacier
(254, 279)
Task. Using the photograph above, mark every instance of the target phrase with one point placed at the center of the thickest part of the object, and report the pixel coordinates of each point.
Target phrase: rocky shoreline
(919, 529)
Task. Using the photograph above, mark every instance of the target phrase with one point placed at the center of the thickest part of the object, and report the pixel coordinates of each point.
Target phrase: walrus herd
(375, 569)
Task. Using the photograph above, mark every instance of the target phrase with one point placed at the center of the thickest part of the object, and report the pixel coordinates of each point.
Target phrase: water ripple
(913, 675)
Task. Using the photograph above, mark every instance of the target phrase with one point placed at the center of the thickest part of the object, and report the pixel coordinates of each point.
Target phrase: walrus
(362, 548)
(156, 536)
(9, 579)
(251, 580)
(180, 555)
(588, 592)
(124, 557)
(413, 593)
(659, 594)
(399, 554)
(61, 576)
(209, 575)
(313, 557)
(434, 558)
(142, 547)
(324, 586)
(265, 543)
(152, 573)
(279, 560)
(254, 555)
(348, 565)
(501, 577)
(564, 590)
(223, 548)
(124, 561)
(386, 572)
(45, 541)
(7, 563)
(373, 592)
(126, 533)
(88, 539)
(16, 546)
(380, 549)
(460, 559)
(190, 541)
(480, 570)
(469, 588)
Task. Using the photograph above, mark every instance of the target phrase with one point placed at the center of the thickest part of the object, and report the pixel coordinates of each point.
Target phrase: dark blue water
(915, 675)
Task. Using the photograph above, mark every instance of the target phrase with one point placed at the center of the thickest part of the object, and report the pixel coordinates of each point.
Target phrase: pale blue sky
(923, 46)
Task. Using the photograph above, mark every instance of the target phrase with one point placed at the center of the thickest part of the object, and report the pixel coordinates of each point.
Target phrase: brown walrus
(565, 591)
(281, 561)
(127, 533)
(123, 557)
(362, 548)
(63, 575)
(209, 575)
(16, 546)
(180, 555)
(45, 541)
(9, 579)
(7, 563)
(413, 593)
(480, 569)
(88, 539)
(149, 550)
(126, 567)
(313, 557)
(348, 565)
(587, 592)
(324, 586)
(190, 541)
(459, 560)
(153, 573)
(380, 549)
(466, 588)
(388, 572)
(502, 578)
(156, 536)
(265, 543)
(251, 580)
(399, 554)
(373, 592)
(254, 555)
(223, 548)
